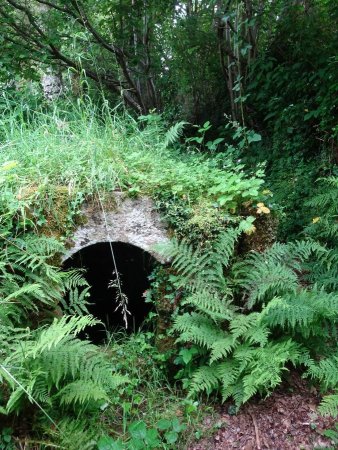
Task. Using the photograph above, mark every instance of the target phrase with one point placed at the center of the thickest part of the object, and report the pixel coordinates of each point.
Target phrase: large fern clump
(52, 368)
(248, 320)
(46, 364)
(42, 360)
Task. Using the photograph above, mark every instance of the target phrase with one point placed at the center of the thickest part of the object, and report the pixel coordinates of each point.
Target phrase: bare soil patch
(287, 420)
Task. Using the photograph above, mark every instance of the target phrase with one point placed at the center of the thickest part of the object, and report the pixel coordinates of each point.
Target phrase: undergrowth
(240, 319)
(50, 163)
(86, 151)
(246, 321)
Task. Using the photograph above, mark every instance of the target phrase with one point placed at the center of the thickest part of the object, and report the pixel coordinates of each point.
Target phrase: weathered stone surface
(52, 85)
(132, 221)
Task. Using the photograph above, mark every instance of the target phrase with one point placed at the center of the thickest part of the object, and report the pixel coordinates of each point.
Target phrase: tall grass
(88, 147)
(87, 150)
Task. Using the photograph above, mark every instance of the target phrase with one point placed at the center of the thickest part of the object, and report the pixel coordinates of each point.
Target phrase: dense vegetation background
(225, 113)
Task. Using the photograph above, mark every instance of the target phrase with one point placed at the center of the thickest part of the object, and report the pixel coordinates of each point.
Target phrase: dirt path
(285, 421)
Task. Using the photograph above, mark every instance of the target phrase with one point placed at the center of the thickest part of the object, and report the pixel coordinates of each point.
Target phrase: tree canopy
(195, 57)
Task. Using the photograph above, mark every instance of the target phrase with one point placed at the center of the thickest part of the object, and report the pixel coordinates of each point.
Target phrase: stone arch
(130, 230)
(131, 221)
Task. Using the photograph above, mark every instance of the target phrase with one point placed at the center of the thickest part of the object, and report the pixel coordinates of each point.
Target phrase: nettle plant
(242, 323)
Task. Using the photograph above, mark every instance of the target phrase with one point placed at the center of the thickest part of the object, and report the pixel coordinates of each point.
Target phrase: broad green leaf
(138, 430)
(171, 437)
(164, 424)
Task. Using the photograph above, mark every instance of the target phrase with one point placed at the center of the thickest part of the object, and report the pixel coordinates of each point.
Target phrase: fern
(204, 379)
(76, 301)
(250, 370)
(277, 271)
(303, 312)
(173, 133)
(62, 368)
(243, 354)
(329, 405)
(202, 267)
(324, 208)
(211, 304)
(325, 272)
(222, 347)
(74, 434)
(197, 328)
(325, 371)
(60, 328)
(48, 366)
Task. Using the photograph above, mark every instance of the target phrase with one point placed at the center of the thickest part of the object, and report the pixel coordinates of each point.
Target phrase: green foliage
(173, 133)
(324, 226)
(329, 406)
(58, 159)
(243, 319)
(240, 351)
(42, 361)
(147, 412)
(48, 365)
(291, 90)
(6, 440)
(52, 367)
(164, 435)
(275, 272)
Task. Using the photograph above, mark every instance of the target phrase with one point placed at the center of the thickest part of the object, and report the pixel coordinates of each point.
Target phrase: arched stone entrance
(129, 233)
(134, 267)
(132, 221)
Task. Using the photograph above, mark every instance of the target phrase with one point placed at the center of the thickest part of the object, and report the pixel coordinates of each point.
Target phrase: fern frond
(173, 133)
(68, 371)
(72, 279)
(228, 372)
(303, 311)
(264, 370)
(242, 323)
(199, 267)
(80, 392)
(198, 329)
(210, 304)
(204, 379)
(329, 405)
(186, 260)
(35, 252)
(222, 348)
(74, 434)
(224, 247)
(326, 371)
(58, 331)
(276, 271)
(76, 302)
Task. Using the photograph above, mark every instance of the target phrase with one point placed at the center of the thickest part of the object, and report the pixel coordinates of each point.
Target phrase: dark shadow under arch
(134, 266)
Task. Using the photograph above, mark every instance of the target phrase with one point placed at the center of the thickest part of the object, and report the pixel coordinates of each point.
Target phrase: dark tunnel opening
(134, 267)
